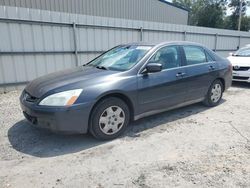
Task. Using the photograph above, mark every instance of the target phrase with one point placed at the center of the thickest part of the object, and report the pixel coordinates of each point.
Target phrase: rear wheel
(214, 94)
(109, 118)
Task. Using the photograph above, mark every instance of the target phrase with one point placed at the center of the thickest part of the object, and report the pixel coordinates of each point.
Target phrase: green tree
(245, 23)
(231, 22)
(207, 13)
(234, 5)
(211, 15)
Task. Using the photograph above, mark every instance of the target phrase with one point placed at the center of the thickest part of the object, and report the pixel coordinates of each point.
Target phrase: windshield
(121, 58)
(245, 52)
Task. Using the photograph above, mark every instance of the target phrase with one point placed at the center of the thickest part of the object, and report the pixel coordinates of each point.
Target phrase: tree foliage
(234, 5)
(212, 13)
(231, 21)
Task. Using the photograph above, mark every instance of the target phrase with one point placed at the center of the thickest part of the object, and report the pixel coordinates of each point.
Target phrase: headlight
(64, 98)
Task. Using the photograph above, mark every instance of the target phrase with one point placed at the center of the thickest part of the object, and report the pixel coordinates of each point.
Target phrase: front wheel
(214, 94)
(109, 118)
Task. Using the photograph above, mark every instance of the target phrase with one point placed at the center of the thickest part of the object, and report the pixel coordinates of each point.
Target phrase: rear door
(201, 70)
(163, 89)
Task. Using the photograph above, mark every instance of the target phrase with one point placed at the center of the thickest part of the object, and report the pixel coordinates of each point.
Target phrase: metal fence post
(239, 41)
(215, 42)
(75, 44)
(185, 35)
(141, 34)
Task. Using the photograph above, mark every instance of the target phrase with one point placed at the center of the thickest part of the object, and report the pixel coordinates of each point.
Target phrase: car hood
(240, 61)
(86, 74)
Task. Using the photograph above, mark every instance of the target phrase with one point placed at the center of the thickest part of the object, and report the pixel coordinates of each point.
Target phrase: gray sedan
(126, 83)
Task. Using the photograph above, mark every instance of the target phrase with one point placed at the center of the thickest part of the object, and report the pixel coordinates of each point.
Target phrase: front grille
(240, 78)
(29, 97)
(237, 68)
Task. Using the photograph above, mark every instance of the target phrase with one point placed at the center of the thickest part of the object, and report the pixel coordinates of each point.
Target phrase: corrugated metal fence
(37, 42)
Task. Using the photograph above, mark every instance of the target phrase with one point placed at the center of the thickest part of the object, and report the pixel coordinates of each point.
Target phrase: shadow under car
(43, 143)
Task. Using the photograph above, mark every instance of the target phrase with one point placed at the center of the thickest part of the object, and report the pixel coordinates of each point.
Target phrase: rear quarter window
(209, 57)
(214, 56)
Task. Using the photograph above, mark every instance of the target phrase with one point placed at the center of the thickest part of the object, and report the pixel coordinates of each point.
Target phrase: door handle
(180, 74)
(211, 67)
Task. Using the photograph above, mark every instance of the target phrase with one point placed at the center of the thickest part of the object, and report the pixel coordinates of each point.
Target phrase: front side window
(194, 55)
(121, 58)
(167, 56)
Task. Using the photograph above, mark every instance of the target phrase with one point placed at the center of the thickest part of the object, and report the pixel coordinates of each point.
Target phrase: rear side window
(194, 55)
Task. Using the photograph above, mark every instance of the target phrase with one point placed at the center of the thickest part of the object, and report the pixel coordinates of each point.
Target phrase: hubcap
(112, 120)
(216, 93)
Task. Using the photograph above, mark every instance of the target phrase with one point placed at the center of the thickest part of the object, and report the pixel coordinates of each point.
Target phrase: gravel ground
(194, 146)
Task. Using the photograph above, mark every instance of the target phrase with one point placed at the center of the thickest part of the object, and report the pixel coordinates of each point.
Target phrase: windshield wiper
(101, 67)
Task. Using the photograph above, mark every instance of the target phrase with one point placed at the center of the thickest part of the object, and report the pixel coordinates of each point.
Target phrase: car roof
(164, 43)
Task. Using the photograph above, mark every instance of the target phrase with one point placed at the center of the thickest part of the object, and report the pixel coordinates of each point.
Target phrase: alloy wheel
(216, 93)
(112, 120)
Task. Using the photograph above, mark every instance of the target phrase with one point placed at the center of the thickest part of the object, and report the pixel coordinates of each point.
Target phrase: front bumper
(242, 76)
(73, 119)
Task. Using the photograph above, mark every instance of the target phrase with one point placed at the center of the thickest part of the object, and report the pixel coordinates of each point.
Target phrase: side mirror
(153, 67)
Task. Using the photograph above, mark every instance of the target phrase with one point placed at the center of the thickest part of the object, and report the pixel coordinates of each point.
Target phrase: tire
(214, 94)
(109, 118)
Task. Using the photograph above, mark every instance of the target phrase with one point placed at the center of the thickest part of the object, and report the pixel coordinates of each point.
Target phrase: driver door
(164, 89)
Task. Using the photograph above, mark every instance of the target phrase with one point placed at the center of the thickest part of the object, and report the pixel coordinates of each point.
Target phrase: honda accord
(126, 83)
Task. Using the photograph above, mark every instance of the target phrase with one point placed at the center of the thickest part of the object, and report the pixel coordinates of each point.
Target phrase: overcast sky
(228, 12)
